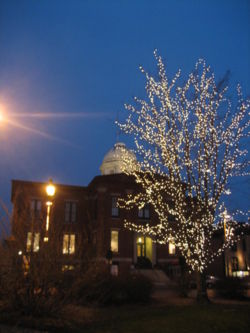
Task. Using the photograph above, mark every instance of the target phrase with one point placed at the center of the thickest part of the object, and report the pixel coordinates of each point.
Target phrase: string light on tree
(187, 139)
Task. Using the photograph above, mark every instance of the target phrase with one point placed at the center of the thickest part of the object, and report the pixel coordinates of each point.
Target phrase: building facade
(86, 222)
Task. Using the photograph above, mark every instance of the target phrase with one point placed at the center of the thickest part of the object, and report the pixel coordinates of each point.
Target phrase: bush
(231, 288)
(104, 289)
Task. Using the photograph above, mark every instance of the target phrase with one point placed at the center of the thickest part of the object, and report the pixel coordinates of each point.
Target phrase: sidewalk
(171, 296)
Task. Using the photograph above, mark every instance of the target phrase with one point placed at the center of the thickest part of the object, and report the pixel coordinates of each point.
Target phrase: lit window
(171, 248)
(68, 243)
(144, 213)
(35, 207)
(32, 242)
(29, 242)
(114, 241)
(115, 209)
(70, 212)
(36, 242)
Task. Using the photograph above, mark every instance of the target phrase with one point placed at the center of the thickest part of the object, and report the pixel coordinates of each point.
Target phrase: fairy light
(187, 141)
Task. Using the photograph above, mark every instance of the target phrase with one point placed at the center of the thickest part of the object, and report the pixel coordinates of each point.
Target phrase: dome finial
(115, 160)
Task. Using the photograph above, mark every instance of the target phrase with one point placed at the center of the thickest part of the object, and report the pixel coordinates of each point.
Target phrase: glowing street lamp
(50, 190)
(226, 218)
(2, 116)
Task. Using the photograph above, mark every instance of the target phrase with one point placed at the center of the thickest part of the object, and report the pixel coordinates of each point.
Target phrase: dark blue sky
(80, 56)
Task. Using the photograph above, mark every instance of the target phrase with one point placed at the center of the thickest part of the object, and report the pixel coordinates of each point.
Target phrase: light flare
(40, 133)
(57, 115)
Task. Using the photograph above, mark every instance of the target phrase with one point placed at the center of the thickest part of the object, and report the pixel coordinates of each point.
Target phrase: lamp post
(50, 191)
(226, 218)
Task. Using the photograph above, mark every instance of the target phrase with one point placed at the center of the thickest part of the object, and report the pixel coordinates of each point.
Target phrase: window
(115, 209)
(171, 248)
(33, 241)
(235, 265)
(144, 213)
(68, 243)
(70, 212)
(36, 207)
(234, 247)
(114, 241)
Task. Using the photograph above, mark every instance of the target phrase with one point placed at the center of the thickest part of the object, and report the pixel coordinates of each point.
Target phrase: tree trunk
(202, 296)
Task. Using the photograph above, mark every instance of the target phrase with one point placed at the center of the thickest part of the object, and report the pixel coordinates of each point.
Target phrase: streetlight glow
(50, 189)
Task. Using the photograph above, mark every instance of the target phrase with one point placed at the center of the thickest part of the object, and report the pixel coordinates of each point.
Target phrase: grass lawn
(155, 318)
(174, 319)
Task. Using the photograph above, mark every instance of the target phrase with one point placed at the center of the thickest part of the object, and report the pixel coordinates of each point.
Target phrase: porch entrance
(144, 247)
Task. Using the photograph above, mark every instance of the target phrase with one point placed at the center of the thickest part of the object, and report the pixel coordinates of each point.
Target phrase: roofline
(15, 183)
(103, 178)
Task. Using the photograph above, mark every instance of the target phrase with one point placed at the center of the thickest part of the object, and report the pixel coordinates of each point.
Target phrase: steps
(156, 276)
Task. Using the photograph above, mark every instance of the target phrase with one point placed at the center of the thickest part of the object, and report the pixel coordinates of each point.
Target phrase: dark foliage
(98, 287)
(143, 263)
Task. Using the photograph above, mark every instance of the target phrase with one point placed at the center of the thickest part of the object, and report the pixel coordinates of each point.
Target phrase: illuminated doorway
(144, 247)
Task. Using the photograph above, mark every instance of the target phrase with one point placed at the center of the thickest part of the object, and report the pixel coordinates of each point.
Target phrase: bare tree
(187, 139)
(37, 276)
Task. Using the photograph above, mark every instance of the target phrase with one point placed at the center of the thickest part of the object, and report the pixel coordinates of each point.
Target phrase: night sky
(67, 68)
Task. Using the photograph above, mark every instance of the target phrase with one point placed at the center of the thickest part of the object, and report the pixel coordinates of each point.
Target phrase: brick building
(86, 221)
(88, 217)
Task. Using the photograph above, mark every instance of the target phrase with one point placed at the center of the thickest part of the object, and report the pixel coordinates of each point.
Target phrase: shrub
(231, 288)
(104, 289)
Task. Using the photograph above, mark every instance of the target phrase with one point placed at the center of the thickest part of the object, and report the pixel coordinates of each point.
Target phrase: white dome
(117, 160)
